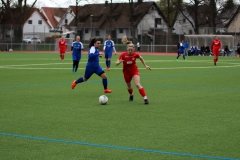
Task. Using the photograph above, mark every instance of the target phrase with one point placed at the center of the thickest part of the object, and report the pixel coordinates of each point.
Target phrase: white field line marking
(121, 68)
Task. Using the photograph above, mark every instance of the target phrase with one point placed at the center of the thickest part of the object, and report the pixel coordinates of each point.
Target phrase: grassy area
(193, 110)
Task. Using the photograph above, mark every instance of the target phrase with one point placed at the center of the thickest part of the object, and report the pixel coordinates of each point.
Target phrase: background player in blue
(181, 50)
(93, 66)
(77, 48)
(108, 49)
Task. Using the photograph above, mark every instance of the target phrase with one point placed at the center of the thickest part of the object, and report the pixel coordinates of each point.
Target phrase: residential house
(53, 16)
(231, 19)
(185, 22)
(99, 20)
(31, 23)
(36, 25)
(67, 18)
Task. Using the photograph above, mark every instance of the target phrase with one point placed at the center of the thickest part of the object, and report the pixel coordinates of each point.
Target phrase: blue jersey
(181, 48)
(109, 47)
(93, 57)
(185, 44)
(77, 48)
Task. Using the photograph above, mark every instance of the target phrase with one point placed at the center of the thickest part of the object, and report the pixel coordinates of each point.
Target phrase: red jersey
(62, 43)
(129, 63)
(216, 44)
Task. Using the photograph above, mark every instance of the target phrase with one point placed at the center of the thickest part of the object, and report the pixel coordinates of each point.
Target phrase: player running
(181, 50)
(77, 48)
(130, 69)
(108, 49)
(216, 47)
(62, 45)
(93, 66)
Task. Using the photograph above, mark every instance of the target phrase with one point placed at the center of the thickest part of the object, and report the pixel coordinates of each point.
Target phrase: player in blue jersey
(108, 49)
(181, 50)
(77, 48)
(93, 66)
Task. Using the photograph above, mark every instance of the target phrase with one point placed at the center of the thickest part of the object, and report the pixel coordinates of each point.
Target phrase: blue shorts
(90, 70)
(108, 55)
(76, 57)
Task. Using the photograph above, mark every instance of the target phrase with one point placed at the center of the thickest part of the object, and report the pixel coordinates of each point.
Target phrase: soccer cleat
(146, 101)
(131, 98)
(108, 69)
(107, 91)
(75, 72)
(215, 63)
(74, 83)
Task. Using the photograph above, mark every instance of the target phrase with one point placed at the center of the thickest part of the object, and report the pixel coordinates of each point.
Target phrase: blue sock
(80, 80)
(106, 63)
(104, 82)
(109, 64)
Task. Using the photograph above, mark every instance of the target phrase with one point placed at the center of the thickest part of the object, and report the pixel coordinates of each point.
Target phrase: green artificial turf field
(193, 110)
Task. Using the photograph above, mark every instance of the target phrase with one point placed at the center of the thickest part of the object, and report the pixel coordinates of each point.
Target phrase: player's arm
(104, 46)
(114, 48)
(143, 62)
(82, 47)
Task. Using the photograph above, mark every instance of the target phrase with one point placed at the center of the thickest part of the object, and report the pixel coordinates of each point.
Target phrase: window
(158, 21)
(66, 21)
(120, 30)
(97, 33)
(29, 21)
(39, 21)
(86, 30)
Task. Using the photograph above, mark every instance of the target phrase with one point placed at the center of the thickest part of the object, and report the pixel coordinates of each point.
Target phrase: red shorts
(216, 51)
(128, 76)
(62, 49)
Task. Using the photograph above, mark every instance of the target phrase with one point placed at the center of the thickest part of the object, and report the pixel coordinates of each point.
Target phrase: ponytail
(92, 41)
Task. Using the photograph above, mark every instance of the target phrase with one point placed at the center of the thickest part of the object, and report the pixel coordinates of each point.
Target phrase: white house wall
(182, 27)
(35, 29)
(235, 24)
(148, 22)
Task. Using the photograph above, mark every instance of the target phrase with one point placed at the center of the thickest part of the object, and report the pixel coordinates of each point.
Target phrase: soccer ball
(103, 99)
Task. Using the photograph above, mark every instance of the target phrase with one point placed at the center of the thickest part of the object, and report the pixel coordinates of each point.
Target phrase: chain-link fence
(19, 38)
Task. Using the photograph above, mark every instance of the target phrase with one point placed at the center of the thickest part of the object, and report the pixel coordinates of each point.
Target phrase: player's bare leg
(136, 79)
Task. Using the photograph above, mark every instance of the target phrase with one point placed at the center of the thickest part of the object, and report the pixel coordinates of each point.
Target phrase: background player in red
(62, 45)
(130, 69)
(216, 47)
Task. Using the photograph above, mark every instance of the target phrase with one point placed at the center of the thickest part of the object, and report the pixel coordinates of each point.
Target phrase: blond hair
(126, 41)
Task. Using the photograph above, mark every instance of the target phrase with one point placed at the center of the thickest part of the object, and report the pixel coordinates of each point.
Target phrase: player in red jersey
(216, 47)
(62, 45)
(130, 69)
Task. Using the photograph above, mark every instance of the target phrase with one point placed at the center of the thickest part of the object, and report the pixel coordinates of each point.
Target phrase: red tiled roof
(52, 12)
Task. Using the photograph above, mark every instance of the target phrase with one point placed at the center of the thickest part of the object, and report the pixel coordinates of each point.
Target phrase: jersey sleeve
(104, 46)
(120, 57)
(92, 52)
(82, 47)
(113, 47)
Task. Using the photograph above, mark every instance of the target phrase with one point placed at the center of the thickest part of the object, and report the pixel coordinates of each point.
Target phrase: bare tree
(170, 9)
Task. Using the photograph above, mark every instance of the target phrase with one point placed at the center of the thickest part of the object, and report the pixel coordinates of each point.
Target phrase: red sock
(215, 60)
(63, 56)
(130, 91)
(142, 92)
